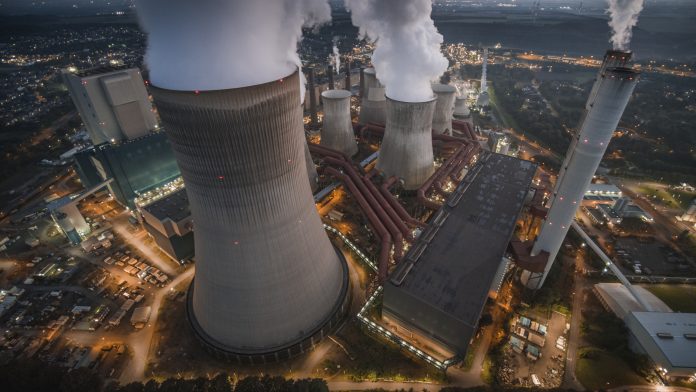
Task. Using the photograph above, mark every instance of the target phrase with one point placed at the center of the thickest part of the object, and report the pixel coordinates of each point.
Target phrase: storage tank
(269, 284)
(444, 108)
(373, 103)
(407, 149)
(337, 130)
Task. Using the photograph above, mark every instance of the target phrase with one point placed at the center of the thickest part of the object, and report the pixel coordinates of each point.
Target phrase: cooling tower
(268, 282)
(337, 131)
(614, 90)
(461, 110)
(444, 108)
(407, 149)
(311, 169)
(373, 104)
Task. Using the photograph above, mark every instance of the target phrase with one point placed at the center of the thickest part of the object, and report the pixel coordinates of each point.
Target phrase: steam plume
(221, 44)
(407, 56)
(337, 59)
(623, 17)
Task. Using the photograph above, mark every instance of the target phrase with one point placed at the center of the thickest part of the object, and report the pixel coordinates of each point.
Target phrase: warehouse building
(169, 223)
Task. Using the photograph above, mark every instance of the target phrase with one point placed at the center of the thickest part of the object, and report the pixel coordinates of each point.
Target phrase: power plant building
(136, 166)
(437, 293)
(169, 223)
(498, 142)
(112, 101)
(269, 284)
(407, 149)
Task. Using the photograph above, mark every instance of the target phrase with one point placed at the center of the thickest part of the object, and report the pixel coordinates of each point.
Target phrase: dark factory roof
(101, 70)
(174, 207)
(453, 263)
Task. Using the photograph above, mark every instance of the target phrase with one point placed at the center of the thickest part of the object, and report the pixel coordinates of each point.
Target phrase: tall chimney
(407, 148)
(444, 108)
(362, 82)
(330, 71)
(348, 85)
(269, 284)
(373, 103)
(337, 131)
(613, 92)
(312, 91)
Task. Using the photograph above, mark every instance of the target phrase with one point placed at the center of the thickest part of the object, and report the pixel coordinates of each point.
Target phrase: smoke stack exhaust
(337, 131)
(623, 16)
(444, 108)
(407, 149)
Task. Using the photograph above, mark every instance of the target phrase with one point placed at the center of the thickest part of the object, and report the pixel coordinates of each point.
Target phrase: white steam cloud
(336, 60)
(221, 44)
(623, 17)
(407, 56)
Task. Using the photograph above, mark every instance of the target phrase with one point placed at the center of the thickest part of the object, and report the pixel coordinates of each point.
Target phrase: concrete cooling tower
(444, 108)
(407, 149)
(461, 110)
(269, 284)
(337, 131)
(373, 102)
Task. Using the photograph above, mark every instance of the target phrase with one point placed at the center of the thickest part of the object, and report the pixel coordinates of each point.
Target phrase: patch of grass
(598, 369)
(681, 298)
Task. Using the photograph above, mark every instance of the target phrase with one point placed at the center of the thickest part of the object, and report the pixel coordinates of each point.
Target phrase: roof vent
(664, 335)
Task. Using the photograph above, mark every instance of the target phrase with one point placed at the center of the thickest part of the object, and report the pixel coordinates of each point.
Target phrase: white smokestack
(407, 57)
(222, 44)
(623, 17)
(337, 60)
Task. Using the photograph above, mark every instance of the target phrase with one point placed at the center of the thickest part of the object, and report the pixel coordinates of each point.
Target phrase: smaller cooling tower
(444, 108)
(407, 149)
(373, 104)
(337, 132)
(461, 110)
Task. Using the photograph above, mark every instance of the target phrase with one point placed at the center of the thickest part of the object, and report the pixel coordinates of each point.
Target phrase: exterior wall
(267, 277)
(444, 108)
(407, 148)
(337, 130)
(175, 246)
(613, 93)
(113, 105)
(373, 103)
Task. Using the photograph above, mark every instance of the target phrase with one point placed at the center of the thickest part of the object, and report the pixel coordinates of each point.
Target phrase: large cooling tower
(444, 108)
(373, 102)
(407, 149)
(461, 110)
(268, 282)
(337, 131)
(613, 91)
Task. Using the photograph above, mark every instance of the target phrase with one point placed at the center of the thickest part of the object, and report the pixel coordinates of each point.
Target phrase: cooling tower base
(297, 347)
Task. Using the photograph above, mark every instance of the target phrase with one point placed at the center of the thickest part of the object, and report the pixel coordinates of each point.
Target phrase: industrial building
(68, 217)
(269, 284)
(602, 193)
(112, 101)
(169, 223)
(608, 99)
(136, 166)
(407, 149)
(498, 142)
(437, 293)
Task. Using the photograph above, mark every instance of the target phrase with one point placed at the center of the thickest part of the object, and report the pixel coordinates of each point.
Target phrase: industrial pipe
(396, 205)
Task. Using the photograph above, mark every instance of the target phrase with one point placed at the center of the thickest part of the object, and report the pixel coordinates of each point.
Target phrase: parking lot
(646, 256)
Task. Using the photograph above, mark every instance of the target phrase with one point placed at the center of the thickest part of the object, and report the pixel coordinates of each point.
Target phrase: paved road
(136, 240)
(141, 342)
(386, 385)
(569, 378)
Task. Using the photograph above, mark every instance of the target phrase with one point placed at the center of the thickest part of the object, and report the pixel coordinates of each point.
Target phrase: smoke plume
(407, 56)
(221, 44)
(623, 17)
(337, 59)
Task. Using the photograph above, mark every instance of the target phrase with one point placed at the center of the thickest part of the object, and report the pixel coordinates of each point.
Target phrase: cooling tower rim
(336, 94)
(226, 90)
(370, 71)
(618, 52)
(443, 88)
(219, 349)
(432, 99)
